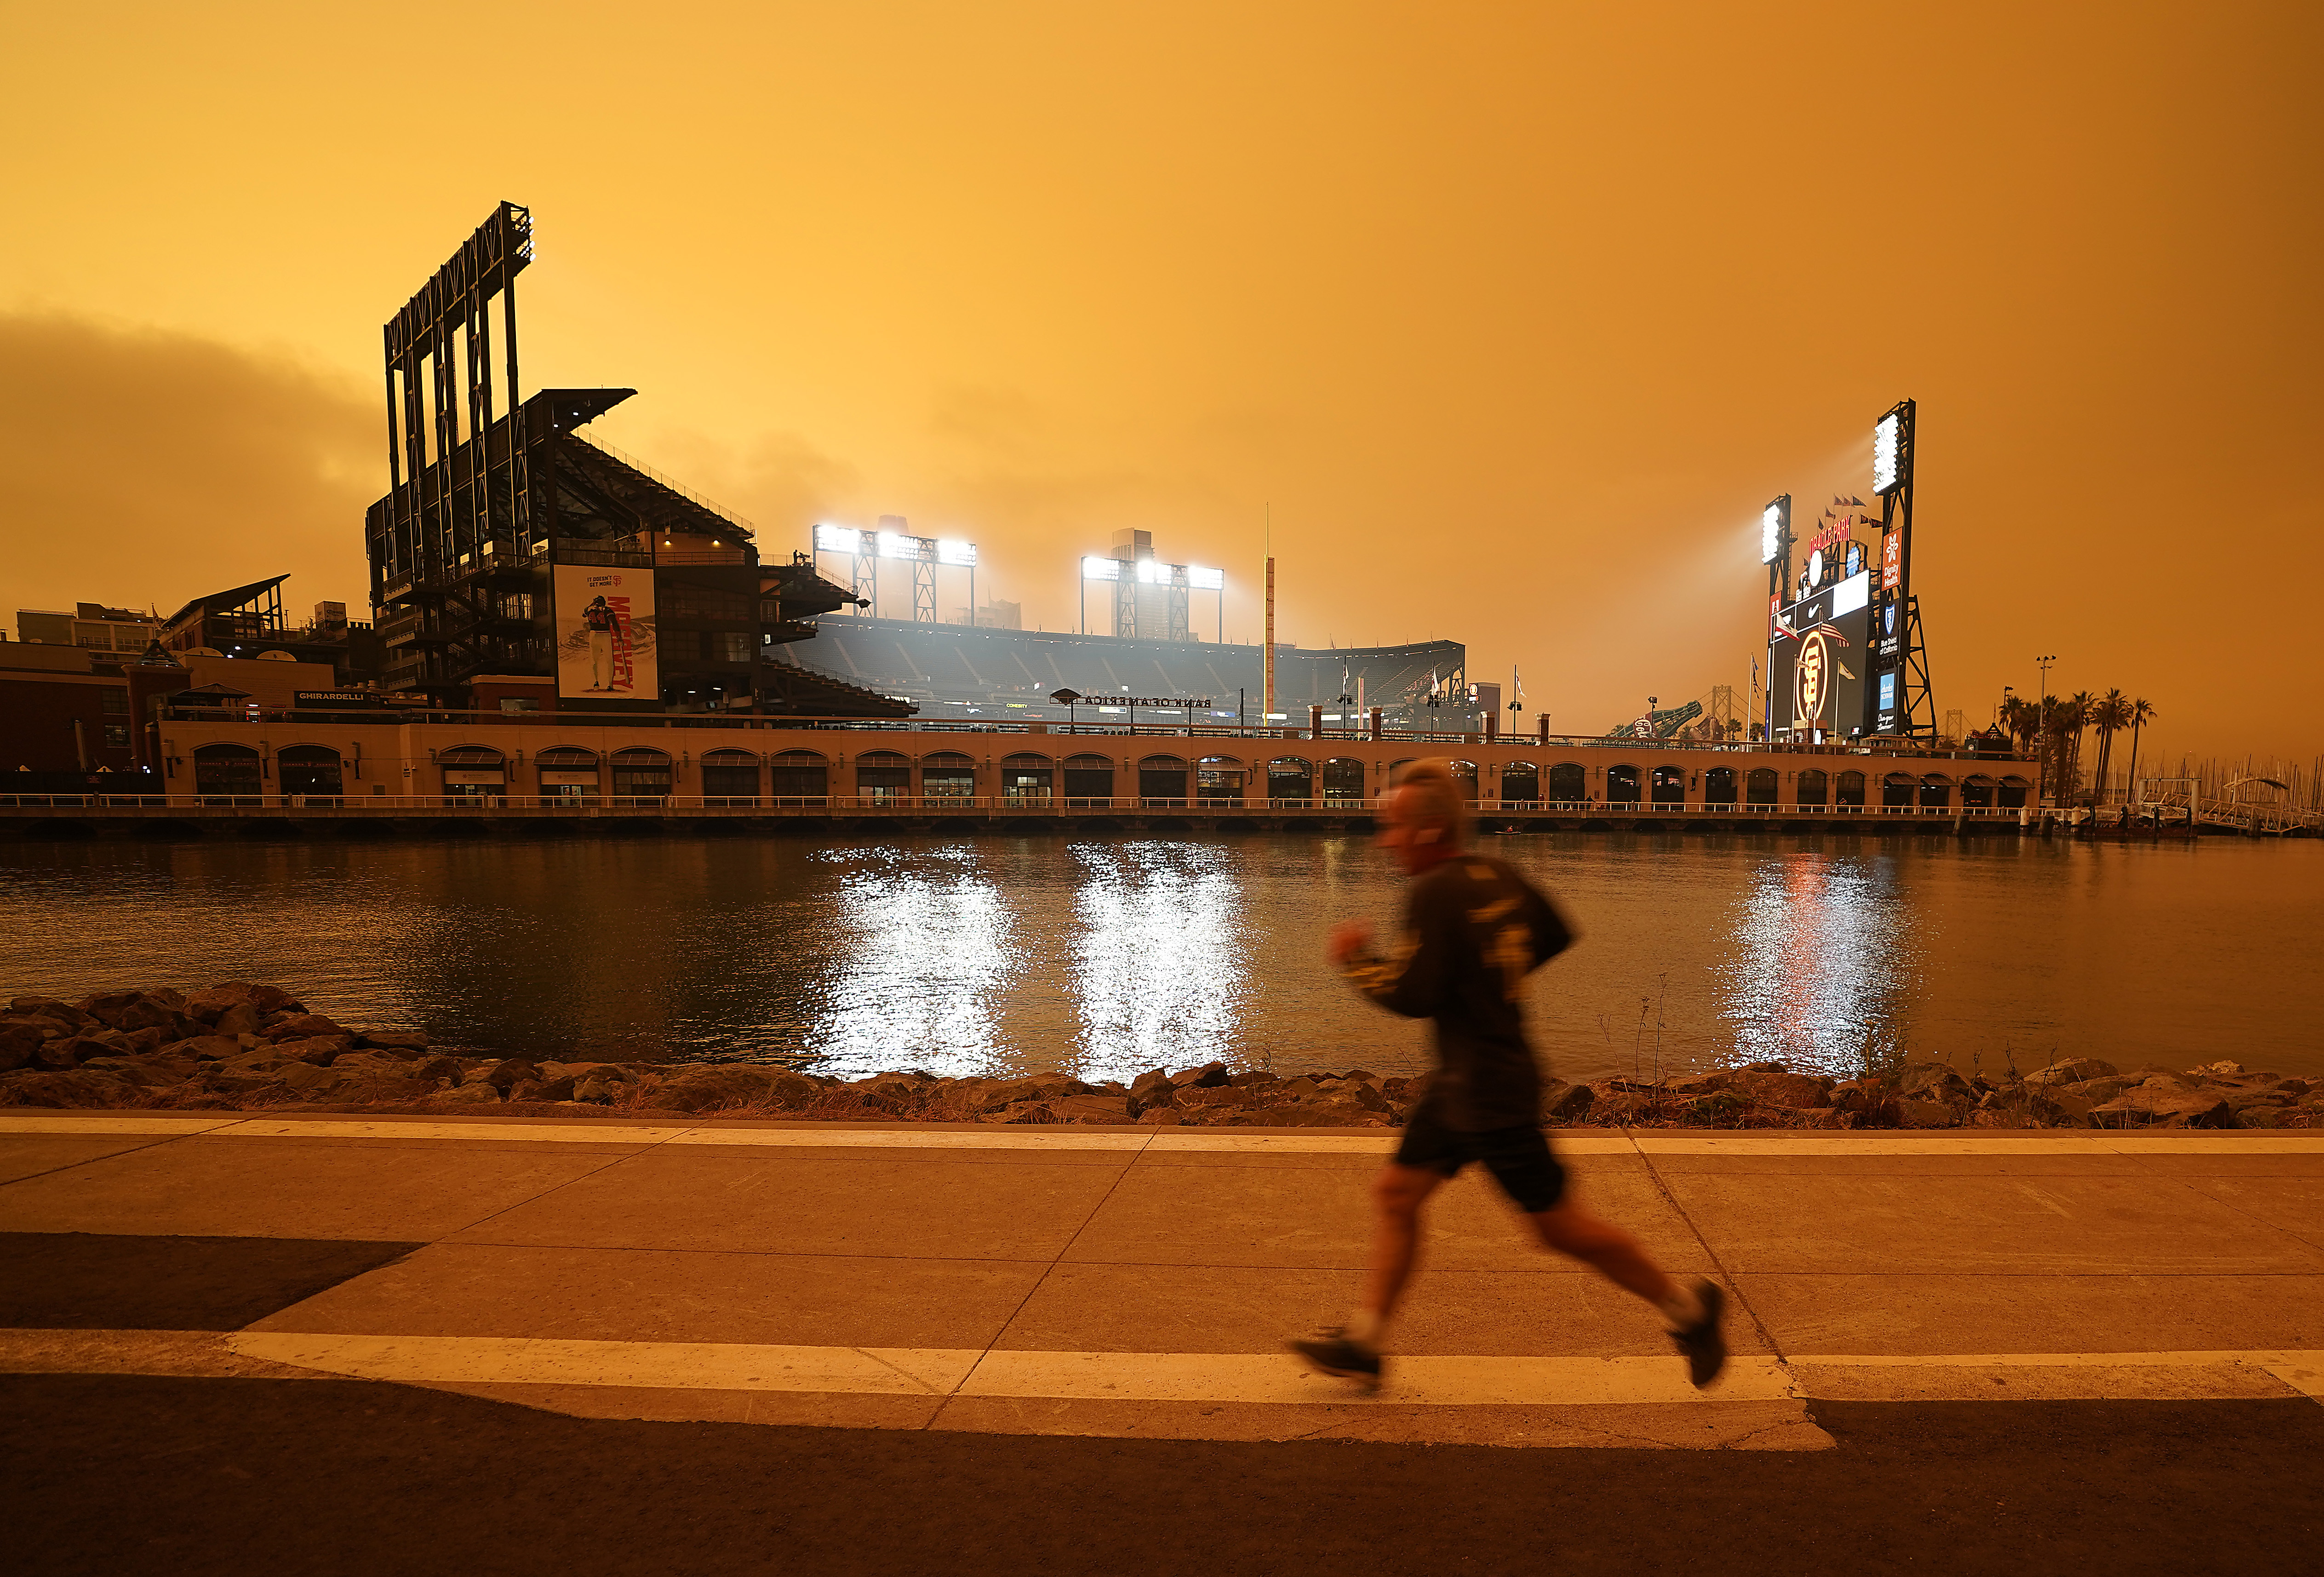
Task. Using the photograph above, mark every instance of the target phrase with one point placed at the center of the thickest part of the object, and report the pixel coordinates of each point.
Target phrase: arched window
(227, 771)
(1345, 781)
(882, 775)
(1028, 778)
(1815, 788)
(1622, 785)
(642, 772)
(947, 775)
(730, 777)
(1088, 778)
(2013, 791)
(1162, 777)
(1569, 783)
(473, 771)
(567, 772)
(1936, 791)
(1218, 780)
(1291, 778)
(1520, 783)
(1668, 785)
(311, 769)
(798, 775)
(1759, 786)
(1977, 792)
(1464, 779)
(1847, 789)
(1718, 786)
(1897, 790)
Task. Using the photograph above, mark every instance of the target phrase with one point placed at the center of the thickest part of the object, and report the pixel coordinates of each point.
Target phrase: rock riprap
(242, 1046)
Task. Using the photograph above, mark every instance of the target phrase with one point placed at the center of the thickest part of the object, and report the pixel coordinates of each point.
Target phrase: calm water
(1110, 954)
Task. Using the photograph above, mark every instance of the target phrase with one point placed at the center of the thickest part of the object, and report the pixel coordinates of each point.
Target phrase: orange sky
(1515, 316)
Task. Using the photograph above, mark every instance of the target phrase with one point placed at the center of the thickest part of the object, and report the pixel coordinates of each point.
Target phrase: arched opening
(1162, 779)
(1622, 785)
(730, 777)
(1667, 786)
(1089, 779)
(1345, 781)
(1028, 779)
(1936, 791)
(567, 772)
(1290, 779)
(226, 773)
(1977, 792)
(1815, 788)
(947, 775)
(883, 776)
(473, 771)
(1464, 779)
(1569, 783)
(2012, 791)
(1520, 783)
(313, 769)
(1848, 789)
(1718, 786)
(642, 775)
(1759, 786)
(800, 777)
(1897, 790)
(1218, 780)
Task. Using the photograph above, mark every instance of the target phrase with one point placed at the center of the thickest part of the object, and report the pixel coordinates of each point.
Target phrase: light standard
(2042, 731)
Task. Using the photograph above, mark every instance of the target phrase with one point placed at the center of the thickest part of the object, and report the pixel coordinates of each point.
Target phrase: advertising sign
(605, 634)
(1818, 662)
(1891, 561)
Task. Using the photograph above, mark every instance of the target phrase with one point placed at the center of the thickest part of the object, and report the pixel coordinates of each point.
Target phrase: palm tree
(2075, 717)
(2138, 714)
(2023, 719)
(2110, 712)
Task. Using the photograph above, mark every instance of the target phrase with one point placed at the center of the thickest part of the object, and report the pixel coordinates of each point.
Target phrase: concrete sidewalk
(1133, 1282)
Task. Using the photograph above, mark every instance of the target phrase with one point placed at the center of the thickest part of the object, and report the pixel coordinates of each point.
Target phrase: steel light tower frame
(1896, 616)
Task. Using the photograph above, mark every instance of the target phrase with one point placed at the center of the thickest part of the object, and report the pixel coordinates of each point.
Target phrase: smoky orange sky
(1513, 315)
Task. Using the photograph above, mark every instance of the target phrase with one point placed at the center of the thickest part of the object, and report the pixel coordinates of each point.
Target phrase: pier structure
(510, 770)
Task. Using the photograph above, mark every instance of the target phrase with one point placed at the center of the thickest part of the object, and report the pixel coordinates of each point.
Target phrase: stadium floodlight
(1096, 569)
(1775, 521)
(1891, 443)
(951, 551)
(1203, 579)
(838, 539)
(894, 545)
(1153, 572)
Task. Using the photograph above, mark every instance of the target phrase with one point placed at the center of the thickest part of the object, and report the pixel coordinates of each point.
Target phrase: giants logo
(1811, 681)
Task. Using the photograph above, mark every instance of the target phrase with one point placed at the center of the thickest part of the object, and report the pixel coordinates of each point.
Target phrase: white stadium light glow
(894, 545)
(837, 539)
(951, 551)
(1096, 569)
(1152, 573)
(1203, 579)
(1888, 451)
(1771, 534)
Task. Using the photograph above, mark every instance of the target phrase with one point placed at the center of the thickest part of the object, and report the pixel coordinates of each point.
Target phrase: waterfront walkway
(1128, 1289)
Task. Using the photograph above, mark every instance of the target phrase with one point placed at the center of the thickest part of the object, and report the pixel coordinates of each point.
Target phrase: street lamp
(2042, 731)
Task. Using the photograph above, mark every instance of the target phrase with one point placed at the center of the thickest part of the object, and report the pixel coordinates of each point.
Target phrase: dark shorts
(1519, 1157)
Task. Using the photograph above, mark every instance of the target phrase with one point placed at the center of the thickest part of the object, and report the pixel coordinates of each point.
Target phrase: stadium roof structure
(952, 670)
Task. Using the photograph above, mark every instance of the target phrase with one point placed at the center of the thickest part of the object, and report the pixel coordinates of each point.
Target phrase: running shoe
(1336, 1353)
(1704, 1344)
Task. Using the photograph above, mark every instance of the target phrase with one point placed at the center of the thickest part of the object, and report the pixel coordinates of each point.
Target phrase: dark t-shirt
(1473, 930)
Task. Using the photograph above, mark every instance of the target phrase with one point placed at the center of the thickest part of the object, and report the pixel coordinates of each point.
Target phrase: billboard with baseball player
(605, 634)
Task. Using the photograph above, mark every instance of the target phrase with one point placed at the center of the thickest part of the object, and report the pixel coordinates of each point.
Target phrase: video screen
(1820, 661)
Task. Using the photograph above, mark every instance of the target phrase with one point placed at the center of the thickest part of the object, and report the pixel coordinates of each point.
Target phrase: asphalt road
(120, 1474)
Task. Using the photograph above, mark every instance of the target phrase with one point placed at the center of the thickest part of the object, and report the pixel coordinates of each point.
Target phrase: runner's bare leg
(1397, 1195)
(1606, 1248)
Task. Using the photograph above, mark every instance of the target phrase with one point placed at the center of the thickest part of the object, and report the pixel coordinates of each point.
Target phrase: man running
(1474, 930)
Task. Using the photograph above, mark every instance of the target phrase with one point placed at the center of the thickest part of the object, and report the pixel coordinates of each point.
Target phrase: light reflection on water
(1818, 966)
(1110, 955)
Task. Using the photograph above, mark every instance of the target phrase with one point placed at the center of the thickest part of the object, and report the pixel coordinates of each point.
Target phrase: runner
(1474, 930)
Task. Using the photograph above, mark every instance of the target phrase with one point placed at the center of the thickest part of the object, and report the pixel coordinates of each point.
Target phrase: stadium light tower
(1776, 553)
(923, 554)
(1899, 694)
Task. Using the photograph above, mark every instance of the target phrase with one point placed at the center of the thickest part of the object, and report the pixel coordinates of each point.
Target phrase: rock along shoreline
(245, 1047)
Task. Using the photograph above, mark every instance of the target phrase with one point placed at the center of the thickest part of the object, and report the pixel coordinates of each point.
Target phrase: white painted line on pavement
(933, 1139)
(1668, 1142)
(18, 1122)
(701, 1366)
(481, 1133)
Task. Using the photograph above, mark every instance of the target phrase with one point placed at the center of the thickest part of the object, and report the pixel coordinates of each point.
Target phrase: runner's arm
(1410, 978)
(1551, 934)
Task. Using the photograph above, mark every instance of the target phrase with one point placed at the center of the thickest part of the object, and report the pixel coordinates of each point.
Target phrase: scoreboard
(1821, 656)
